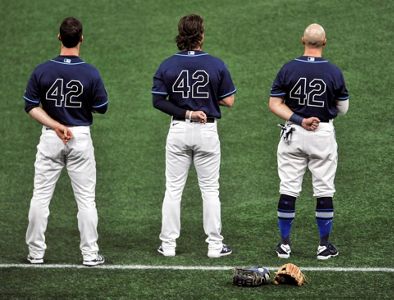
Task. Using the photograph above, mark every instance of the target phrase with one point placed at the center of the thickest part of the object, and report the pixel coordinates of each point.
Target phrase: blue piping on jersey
(343, 98)
(69, 64)
(33, 101)
(228, 94)
(194, 55)
(312, 62)
(97, 106)
(159, 93)
(280, 94)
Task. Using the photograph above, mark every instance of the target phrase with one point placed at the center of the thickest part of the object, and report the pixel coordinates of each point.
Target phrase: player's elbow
(272, 106)
(101, 109)
(155, 104)
(342, 107)
(157, 100)
(228, 101)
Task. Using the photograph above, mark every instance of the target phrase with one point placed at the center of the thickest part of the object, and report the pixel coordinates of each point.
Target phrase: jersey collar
(191, 53)
(68, 60)
(311, 59)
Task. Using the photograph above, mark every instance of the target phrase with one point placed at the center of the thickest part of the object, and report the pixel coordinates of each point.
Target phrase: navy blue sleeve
(159, 97)
(32, 93)
(159, 87)
(226, 87)
(100, 96)
(161, 103)
(277, 89)
(341, 92)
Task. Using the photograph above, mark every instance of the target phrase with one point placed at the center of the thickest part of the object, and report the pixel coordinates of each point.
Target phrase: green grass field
(126, 41)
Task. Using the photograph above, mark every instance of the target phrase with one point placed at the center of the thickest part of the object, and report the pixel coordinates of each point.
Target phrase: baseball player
(308, 92)
(195, 84)
(61, 94)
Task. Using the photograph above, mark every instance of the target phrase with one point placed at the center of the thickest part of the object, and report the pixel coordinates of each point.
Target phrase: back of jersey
(310, 87)
(68, 90)
(194, 80)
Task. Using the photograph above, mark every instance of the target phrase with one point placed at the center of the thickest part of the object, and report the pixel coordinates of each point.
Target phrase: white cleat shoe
(35, 261)
(99, 260)
(167, 252)
(226, 250)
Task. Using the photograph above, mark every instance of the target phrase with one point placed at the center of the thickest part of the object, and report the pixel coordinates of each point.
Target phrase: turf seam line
(193, 268)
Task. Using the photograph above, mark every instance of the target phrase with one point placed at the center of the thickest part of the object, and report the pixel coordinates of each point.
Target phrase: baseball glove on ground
(253, 276)
(289, 274)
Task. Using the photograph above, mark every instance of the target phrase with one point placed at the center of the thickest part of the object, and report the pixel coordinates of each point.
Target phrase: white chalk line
(192, 268)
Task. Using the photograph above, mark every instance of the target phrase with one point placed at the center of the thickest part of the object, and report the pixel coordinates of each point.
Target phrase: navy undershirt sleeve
(161, 103)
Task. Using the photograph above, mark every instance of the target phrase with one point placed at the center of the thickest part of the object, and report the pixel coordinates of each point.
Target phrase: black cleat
(326, 251)
(283, 250)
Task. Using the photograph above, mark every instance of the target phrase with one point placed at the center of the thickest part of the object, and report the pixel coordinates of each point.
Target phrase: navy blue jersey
(68, 89)
(310, 87)
(194, 80)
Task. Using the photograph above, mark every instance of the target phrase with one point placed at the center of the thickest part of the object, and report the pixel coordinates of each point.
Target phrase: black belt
(209, 119)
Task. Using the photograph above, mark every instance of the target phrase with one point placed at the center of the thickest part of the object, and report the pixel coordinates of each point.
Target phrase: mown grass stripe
(202, 268)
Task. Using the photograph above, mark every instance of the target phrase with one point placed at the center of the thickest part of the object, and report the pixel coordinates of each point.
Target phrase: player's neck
(314, 52)
(69, 51)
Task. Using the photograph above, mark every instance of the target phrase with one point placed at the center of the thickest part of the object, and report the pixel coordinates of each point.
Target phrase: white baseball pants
(78, 157)
(187, 143)
(315, 150)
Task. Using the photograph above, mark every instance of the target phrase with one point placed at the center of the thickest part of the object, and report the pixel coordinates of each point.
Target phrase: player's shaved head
(314, 36)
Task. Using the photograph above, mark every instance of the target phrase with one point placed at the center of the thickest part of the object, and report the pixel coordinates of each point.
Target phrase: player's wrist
(296, 119)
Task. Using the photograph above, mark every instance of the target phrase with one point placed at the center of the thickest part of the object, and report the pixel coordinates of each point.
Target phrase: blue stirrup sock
(324, 218)
(286, 215)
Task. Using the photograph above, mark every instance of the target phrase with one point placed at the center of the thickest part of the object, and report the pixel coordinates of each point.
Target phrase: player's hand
(199, 116)
(64, 133)
(310, 124)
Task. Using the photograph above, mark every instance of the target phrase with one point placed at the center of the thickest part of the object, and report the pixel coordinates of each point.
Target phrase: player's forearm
(279, 108)
(42, 117)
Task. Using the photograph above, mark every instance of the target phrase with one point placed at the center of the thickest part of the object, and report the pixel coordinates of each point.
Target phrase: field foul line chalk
(201, 268)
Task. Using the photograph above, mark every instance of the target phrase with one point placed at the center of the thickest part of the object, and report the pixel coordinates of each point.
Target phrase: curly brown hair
(190, 32)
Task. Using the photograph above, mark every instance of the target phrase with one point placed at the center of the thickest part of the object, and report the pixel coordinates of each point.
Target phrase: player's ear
(58, 37)
(324, 42)
(81, 39)
(302, 40)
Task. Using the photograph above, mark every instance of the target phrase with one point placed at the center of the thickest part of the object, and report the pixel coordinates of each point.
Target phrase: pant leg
(48, 166)
(323, 159)
(178, 161)
(292, 163)
(81, 168)
(207, 163)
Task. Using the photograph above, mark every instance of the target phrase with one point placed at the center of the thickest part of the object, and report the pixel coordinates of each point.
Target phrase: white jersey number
(308, 93)
(74, 88)
(200, 79)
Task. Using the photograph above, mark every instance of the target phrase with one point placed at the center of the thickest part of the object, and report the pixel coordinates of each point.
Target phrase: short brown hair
(70, 32)
(190, 32)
